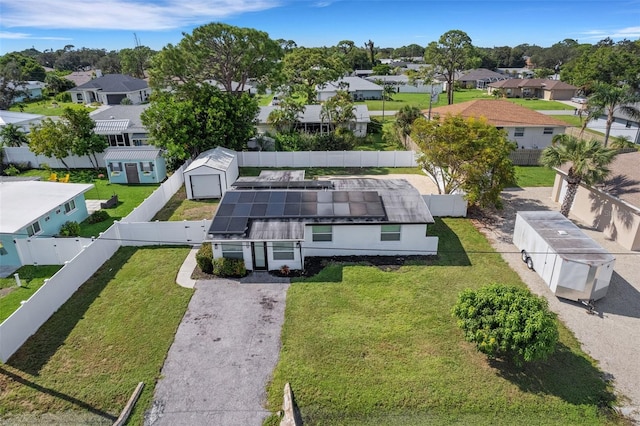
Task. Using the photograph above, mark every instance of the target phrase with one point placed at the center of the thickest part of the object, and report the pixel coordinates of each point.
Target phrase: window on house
(283, 251)
(146, 166)
(548, 131)
(519, 132)
(115, 167)
(232, 251)
(390, 233)
(69, 207)
(322, 233)
(33, 229)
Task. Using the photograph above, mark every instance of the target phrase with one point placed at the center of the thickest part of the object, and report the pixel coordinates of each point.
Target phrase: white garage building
(211, 173)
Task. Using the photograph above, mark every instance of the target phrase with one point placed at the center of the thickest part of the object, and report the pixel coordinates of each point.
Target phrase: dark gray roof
(114, 83)
(482, 74)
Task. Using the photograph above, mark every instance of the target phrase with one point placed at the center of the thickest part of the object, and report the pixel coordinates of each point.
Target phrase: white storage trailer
(572, 264)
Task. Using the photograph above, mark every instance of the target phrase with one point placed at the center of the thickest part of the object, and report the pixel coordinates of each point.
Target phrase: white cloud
(24, 36)
(628, 33)
(122, 14)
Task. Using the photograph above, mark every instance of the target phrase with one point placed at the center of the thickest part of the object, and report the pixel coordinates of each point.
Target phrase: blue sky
(110, 24)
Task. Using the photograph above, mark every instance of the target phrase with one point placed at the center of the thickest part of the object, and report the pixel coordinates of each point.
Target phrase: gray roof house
(359, 89)
(310, 120)
(121, 125)
(479, 78)
(111, 89)
(276, 223)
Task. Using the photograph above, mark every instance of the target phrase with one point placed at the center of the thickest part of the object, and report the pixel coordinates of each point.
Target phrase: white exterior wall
(273, 264)
(203, 171)
(618, 128)
(365, 240)
(232, 174)
(534, 137)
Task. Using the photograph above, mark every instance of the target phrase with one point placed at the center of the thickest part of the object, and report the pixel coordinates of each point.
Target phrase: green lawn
(534, 176)
(312, 172)
(180, 208)
(114, 332)
(31, 278)
(540, 104)
(361, 346)
(421, 100)
(47, 107)
(129, 196)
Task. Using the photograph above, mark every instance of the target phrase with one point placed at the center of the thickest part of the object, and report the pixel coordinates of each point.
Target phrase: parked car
(579, 100)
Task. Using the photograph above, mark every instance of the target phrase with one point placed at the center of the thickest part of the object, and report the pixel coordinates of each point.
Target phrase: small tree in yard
(507, 322)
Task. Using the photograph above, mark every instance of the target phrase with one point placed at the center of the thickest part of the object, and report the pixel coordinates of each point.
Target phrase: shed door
(205, 186)
(132, 172)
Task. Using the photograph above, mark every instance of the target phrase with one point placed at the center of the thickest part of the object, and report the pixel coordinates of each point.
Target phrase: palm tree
(405, 118)
(609, 99)
(588, 163)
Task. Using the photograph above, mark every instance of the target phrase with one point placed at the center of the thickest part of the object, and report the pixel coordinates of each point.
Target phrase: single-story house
(211, 174)
(623, 125)
(280, 224)
(135, 165)
(402, 85)
(310, 120)
(538, 88)
(31, 90)
(121, 125)
(529, 129)
(359, 89)
(613, 206)
(479, 78)
(36, 209)
(20, 119)
(111, 89)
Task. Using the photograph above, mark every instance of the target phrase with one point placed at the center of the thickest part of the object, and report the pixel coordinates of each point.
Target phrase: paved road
(222, 357)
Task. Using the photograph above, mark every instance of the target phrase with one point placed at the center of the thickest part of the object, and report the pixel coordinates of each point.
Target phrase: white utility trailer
(572, 264)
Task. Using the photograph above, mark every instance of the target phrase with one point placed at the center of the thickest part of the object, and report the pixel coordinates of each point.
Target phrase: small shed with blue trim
(137, 165)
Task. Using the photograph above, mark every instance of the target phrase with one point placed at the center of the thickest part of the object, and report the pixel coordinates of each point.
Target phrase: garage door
(205, 186)
(115, 99)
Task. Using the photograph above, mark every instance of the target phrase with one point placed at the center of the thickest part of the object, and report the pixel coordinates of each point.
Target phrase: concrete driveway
(222, 357)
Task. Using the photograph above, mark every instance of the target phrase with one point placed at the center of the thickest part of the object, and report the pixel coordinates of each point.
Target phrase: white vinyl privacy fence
(23, 154)
(82, 258)
(327, 159)
(453, 205)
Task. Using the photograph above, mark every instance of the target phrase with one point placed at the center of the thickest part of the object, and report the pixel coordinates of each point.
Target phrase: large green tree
(405, 118)
(15, 71)
(338, 111)
(588, 162)
(195, 118)
(451, 53)
(227, 54)
(11, 136)
(50, 138)
(135, 61)
(609, 99)
(465, 154)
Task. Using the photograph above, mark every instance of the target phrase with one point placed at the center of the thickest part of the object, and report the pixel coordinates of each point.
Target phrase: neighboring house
(538, 88)
(235, 86)
(362, 73)
(111, 89)
(311, 121)
(402, 85)
(516, 72)
(211, 174)
(82, 77)
(623, 125)
(20, 119)
(279, 224)
(135, 165)
(359, 89)
(34, 208)
(529, 129)
(479, 78)
(612, 207)
(30, 90)
(121, 125)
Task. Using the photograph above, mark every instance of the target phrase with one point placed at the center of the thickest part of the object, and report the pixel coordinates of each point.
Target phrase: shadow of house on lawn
(451, 252)
(564, 374)
(39, 348)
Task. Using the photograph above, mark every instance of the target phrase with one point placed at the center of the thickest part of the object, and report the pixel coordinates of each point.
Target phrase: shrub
(11, 170)
(70, 229)
(63, 97)
(224, 267)
(126, 101)
(507, 322)
(204, 258)
(98, 216)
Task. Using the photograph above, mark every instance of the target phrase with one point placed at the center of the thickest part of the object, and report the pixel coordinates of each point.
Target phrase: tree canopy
(227, 54)
(465, 154)
(195, 118)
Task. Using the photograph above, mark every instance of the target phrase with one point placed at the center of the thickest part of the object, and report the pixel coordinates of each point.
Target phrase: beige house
(538, 88)
(612, 207)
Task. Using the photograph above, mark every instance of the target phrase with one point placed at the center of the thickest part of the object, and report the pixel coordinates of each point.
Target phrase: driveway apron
(222, 357)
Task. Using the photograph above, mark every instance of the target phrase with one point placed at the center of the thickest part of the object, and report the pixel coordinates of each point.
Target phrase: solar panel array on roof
(299, 184)
(237, 207)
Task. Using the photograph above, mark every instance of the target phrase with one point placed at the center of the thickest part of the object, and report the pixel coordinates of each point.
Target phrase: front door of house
(132, 172)
(259, 250)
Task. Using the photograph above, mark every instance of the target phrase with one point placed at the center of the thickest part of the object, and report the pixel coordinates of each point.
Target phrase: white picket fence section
(453, 205)
(35, 311)
(327, 159)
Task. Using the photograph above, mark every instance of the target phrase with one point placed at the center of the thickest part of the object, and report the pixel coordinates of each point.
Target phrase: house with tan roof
(537, 88)
(528, 128)
(612, 207)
